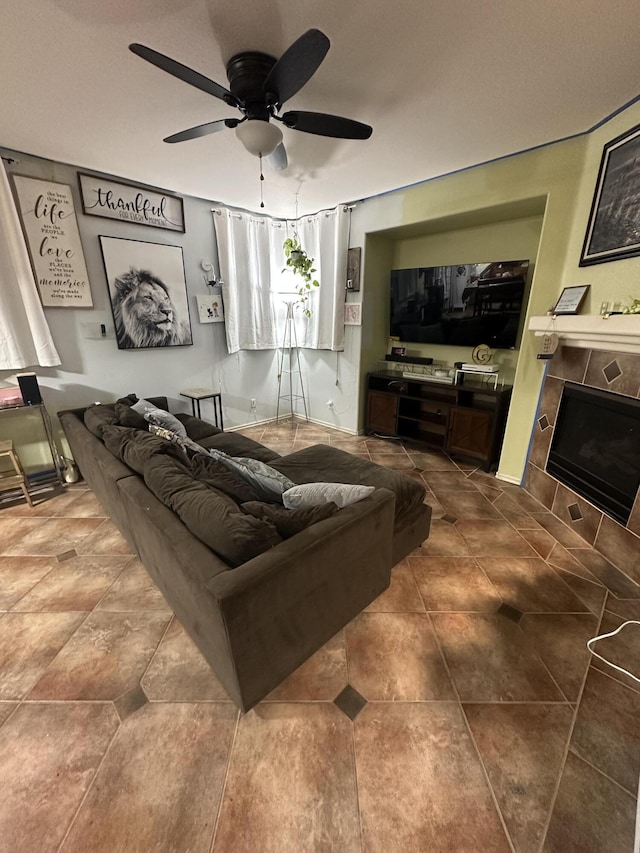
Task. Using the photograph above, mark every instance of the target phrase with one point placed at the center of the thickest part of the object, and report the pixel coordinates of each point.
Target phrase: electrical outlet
(253, 402)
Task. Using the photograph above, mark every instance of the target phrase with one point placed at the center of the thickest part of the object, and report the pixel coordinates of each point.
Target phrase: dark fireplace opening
(596, 448)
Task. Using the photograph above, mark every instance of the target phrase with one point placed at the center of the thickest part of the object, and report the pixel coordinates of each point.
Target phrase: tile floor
(459, 712)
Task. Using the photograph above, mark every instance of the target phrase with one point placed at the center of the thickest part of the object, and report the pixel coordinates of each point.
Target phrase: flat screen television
(459, 305)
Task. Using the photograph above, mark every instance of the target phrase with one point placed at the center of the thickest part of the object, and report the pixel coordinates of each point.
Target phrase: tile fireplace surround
(619, 546)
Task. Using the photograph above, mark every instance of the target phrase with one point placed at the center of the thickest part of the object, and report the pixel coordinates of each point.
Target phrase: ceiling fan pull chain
(261, 182)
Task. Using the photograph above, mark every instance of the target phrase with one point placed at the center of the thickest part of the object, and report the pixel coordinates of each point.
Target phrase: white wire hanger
(612, 634)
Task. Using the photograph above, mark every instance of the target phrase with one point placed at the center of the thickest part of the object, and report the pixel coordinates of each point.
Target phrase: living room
(531, 204)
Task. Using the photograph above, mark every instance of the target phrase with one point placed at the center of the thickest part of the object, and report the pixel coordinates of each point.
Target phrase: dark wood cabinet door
(471, 432)
(382, 412)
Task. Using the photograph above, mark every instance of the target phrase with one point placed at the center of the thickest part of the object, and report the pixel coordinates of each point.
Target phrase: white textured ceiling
(445, 85)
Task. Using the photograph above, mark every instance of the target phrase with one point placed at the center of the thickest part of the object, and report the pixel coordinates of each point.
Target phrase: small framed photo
(210, 308)
(353, 313)
(398, 351)
(571, 299)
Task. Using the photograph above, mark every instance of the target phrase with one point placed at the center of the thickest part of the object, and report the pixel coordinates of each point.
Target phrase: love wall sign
(51, 230)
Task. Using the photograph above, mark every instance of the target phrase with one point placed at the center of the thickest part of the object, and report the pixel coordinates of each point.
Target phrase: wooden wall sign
(51, 231)
(130, 203)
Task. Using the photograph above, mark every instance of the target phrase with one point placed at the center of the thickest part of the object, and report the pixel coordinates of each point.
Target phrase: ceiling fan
(258, 86)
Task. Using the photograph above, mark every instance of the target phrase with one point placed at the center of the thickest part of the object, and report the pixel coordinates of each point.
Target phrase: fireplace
(595, 449)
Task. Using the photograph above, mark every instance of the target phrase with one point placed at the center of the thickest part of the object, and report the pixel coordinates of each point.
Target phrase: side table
(196, 395)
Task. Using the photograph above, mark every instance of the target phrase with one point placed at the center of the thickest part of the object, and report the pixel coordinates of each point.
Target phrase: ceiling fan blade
(323, 124)
(182, 72)
(203, 130)
(278, 158)
(296, 66)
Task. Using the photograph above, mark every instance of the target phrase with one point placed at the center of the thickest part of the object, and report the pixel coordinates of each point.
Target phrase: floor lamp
(290, 350)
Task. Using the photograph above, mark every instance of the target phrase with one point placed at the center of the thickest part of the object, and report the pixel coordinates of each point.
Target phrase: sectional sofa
(257, 596)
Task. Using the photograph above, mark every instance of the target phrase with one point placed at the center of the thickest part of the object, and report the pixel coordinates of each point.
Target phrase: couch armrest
(283, 605)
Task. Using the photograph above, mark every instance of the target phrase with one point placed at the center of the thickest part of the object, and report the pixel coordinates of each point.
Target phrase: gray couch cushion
(210, 515)
(288, 522)
(268, 482)
(128, 417)
(134, 447)
(234, 444)
(96, 418)
(128, 400)
(217, 476)
(323, 463)
(196, 428)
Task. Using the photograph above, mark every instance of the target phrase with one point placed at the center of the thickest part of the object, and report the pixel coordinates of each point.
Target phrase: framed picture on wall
(51, 231)
(613, 231)
(130, 203)
(210, 308)
(353, 313)
(147, 292)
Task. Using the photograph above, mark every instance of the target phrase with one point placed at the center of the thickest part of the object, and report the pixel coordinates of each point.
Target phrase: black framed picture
(148, 293)
(571, 299)
(399, 351)
(613, 231)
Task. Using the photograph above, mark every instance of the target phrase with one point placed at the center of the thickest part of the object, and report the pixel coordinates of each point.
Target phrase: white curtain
(256, 289)
(325, 238)
(244, 253)
(25, 339)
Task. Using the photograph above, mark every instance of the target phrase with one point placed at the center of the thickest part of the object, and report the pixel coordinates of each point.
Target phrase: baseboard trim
(507, 478)
(268, 421)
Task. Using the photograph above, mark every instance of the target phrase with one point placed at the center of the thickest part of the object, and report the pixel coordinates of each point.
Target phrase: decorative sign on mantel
(51, 231)
(130, 203)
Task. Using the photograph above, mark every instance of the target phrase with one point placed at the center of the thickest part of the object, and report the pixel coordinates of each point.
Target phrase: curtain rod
(347, 206)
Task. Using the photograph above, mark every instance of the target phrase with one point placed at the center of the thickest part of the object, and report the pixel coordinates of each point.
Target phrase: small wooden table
(13, 478)
(196, 395)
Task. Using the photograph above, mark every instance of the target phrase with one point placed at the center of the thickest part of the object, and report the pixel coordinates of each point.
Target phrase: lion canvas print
(148, 293)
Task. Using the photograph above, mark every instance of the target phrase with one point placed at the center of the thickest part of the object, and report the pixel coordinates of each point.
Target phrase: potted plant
(301, 265)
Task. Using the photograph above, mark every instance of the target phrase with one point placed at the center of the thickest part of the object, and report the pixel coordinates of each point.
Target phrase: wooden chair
(13, 478)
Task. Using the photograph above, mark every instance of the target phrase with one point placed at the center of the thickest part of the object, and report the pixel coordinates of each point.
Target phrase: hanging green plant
(301, 265)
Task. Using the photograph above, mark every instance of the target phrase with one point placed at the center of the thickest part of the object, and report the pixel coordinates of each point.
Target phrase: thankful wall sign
(130, 203)
(51, 231)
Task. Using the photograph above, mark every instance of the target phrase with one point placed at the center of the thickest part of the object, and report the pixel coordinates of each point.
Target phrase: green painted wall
(616, 280)
(537, 193)
(518, 238)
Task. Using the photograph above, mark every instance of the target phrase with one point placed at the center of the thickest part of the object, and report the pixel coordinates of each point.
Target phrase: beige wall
(472, 203)
(535, 205)
(509, 240)
(616, 280)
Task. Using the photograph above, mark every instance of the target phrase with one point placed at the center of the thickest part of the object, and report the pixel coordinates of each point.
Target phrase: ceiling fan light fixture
(259, 137)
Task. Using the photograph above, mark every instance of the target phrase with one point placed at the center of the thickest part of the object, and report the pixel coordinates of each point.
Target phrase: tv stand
(463, 420)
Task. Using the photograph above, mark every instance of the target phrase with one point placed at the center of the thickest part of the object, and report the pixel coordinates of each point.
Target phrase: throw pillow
(315, 494)
(159, 417)
(135, 447)
(269, 483)
(129, 417)
(97, 417)
(128, 400)
(288, 522)
(211, 516)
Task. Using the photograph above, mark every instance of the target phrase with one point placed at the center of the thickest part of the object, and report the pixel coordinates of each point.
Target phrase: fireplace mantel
(619, 332)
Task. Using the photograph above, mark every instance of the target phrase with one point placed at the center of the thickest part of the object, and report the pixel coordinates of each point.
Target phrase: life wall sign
(130, 203)
(51, 232)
